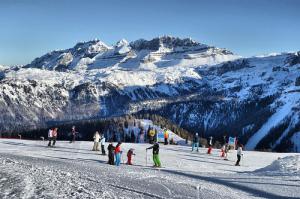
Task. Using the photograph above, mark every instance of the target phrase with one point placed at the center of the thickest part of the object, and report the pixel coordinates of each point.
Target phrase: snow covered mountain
(202, 88)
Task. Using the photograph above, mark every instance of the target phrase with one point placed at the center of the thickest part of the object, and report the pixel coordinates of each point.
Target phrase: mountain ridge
(199, 87)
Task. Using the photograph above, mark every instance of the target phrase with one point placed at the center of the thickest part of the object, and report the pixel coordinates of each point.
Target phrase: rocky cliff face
(202, 88)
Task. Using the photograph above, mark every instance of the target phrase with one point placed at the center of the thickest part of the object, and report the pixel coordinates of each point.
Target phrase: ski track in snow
(28, 169)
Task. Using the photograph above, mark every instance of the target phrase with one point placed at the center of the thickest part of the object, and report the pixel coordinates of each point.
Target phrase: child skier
(118, 153)
(155, 152)
(239, 154)
(111, 158)
(102, 145)
(129, 156)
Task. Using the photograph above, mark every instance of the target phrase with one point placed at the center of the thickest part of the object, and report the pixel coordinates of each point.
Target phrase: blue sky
(30, 28)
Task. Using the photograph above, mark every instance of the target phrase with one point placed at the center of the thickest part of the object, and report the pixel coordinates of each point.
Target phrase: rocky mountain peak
(164, 41)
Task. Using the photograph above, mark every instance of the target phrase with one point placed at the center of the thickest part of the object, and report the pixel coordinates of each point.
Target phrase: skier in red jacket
(118, 153)
(129, 156)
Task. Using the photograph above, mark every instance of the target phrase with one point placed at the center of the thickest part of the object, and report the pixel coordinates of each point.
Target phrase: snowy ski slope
(29, 169)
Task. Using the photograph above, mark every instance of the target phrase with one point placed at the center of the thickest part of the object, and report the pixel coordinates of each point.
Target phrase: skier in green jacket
(155, 152)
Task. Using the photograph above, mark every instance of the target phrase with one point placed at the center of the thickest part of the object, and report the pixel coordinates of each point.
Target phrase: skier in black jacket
(155, 152)
(111, 154)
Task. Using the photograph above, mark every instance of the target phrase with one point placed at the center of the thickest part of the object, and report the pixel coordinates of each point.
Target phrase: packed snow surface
(30, 169)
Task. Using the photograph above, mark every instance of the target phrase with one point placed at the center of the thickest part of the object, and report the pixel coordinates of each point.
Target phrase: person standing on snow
(118, 154)
(155, 152)
(50, 136)
(96, 141)
(54, 136)
(210, 143)
(227, 148)
(195, 142)
(111, 155)
(239, 154)
(73, 134)
(129, 156)
(223, 151)
(102, 144)
(166, 136)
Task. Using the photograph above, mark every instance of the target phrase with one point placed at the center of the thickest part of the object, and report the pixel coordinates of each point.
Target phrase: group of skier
(52, 136)
(224, 150)
(115, 152)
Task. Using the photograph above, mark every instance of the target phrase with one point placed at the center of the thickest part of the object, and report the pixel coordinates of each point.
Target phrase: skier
(239, 154)
(209, 150)
(227, 147)
(96, 141)
(50, 136)
(210, 143)
(129, 156)
(166, 136)
(195, 142)
(102, 145)
(155, 152)
(111, 158)
(118, 153)
(223, 151)
(54, 136)
(73, 134)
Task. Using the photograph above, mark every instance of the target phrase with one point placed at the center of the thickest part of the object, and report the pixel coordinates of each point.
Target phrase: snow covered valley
(30, 169)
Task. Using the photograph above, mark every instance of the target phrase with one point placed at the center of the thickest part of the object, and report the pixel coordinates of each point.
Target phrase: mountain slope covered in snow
(199, 87)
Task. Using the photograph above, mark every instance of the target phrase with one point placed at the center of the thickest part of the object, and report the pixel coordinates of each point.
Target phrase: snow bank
(289, 165)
